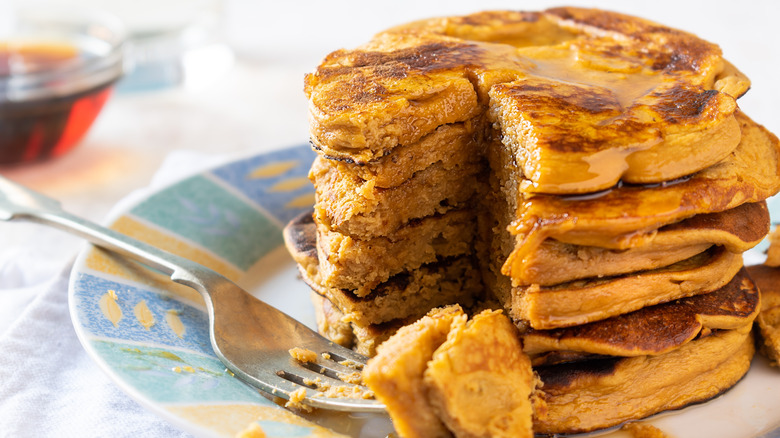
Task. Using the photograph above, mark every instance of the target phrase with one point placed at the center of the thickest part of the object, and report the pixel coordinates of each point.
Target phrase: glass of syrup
(57, 68)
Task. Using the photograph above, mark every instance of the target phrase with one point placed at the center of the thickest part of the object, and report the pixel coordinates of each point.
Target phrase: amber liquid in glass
(36, 129)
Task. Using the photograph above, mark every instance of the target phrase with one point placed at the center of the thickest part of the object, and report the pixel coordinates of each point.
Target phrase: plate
(151, 336)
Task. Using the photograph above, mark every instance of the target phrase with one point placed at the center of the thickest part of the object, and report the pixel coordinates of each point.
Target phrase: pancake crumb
(303, 355)
(296, 400)
(642, 430)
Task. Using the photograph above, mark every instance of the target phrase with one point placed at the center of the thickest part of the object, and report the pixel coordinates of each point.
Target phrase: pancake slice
(408, 294)
(396, 373)
(356, 207)
(359, 265)
(365, 102)
(629, 216)
(737, 230)
(480, 382)
(656, 329)
(580, 138)
(596, 394)
(471, 376)
(451, 145)
(767, 279)
(332, 324)
(583, 301)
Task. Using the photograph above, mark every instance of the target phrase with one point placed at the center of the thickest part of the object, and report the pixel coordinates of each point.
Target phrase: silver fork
(250, 337)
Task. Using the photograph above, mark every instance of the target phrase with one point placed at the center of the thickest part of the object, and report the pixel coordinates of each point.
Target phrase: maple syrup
(41, 115)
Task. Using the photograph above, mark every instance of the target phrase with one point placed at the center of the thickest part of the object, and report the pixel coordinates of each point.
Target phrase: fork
(250, 337)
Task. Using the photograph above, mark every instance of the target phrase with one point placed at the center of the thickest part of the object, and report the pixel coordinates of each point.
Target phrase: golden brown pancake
(767, 278)
(359, 265)
(451, 145)
(629, 216)
(655, 329)
(396, 373)
(408, 294)
(469, 376)
(479, 381)
(773, 253)
(586, 396)
(737, 230)
(410, 80)
(363, 339)
(584, 301)
(356, 207)
(580, 138)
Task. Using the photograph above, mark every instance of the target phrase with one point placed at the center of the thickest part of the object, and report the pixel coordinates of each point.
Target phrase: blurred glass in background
(58, 66)
(169, 42)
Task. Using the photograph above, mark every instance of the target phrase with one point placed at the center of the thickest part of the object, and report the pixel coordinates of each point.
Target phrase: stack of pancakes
(586, 171)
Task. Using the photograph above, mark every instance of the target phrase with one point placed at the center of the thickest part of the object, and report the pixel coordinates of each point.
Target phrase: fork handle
(19, 203)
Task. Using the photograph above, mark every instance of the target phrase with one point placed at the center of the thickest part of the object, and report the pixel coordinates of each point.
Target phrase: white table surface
(259, 104)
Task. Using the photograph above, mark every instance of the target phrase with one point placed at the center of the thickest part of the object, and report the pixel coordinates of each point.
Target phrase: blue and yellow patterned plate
(150, 335)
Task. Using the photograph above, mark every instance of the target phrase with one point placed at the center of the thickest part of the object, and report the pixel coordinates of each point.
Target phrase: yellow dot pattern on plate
(144, 315)
(110, 308)
(302, 201)
(272, 170)
(160, 239)
(253, 431)
(289, 185)
(174, 322)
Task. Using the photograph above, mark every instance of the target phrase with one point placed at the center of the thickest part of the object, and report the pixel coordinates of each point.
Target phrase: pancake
(412, 79)
(360, 265)
(356, 207)
(451, 145)
(767, 278)
(597, 169)
(655, 329)
(583, 301)
(628, 216)
(773, 253)
(408, 294)
(585, 396)
(331, 323)
(363, 339)
(737, 230)
(579, 138)
(469, 376)
(480, 382)
(396, 373)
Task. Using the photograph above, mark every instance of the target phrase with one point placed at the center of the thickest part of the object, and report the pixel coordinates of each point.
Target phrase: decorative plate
(150, 335)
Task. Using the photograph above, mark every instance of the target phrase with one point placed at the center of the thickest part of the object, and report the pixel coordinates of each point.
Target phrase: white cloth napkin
(49, 387)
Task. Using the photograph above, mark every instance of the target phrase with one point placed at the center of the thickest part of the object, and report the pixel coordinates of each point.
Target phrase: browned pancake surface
(594, 299)
(596, 394)
(412, 79)
(628, 216)
(737, 229)
(767, 279)
(656, 329)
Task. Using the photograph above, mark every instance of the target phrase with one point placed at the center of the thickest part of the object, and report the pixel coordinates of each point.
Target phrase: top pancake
(638, 75)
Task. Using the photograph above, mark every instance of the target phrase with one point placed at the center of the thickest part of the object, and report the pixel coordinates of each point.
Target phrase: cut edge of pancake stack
(587, 172)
